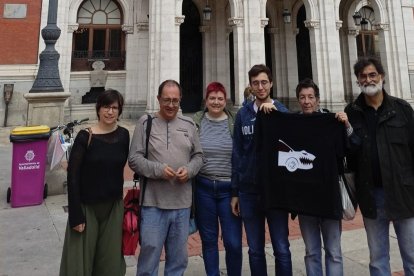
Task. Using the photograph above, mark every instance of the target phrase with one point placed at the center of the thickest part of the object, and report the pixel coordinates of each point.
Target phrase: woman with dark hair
(93, 239)
(213, 184)
(316, 230)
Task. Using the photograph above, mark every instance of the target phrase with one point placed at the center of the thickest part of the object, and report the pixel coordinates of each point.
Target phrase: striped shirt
(217, 145)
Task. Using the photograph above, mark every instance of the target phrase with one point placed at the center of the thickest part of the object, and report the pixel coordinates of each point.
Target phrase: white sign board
(15, 11)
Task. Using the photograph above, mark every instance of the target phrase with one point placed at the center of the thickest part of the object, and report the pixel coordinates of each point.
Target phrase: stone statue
(97, 82)
(98, 75)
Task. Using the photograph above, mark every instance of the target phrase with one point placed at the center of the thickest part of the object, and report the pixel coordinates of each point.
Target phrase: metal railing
(82, 60)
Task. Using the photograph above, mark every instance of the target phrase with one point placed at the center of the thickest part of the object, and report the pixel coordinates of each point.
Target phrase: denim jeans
(168, 228)
(311, 229)
(379, 243)
(253, 217)
(213, 205)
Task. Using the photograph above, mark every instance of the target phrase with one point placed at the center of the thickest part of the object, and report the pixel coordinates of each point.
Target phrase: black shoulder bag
(144, 179)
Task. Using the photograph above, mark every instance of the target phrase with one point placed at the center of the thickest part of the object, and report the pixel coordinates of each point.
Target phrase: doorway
(191, 59)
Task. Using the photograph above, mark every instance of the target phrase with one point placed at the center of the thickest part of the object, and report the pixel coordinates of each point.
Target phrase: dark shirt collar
(366, 107)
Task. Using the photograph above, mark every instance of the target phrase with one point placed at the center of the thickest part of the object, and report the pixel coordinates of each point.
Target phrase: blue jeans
(253, 217)
(379, 243)
(311, 229)
(213, 205)
(168, 228)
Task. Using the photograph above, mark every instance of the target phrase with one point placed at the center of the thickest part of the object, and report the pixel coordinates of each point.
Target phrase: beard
(372, 89)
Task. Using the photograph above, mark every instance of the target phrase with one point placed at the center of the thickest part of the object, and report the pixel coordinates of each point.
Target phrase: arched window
(99, 36)
(367, 40)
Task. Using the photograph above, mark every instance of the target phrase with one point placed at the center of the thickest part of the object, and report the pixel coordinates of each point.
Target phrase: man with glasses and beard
(174, 157)
(383, 159)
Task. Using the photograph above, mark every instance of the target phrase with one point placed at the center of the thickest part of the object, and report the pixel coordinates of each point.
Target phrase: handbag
(349, 178)
(130, 224)
(348, 209)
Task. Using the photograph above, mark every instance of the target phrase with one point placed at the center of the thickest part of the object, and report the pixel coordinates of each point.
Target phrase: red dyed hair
(214, 87)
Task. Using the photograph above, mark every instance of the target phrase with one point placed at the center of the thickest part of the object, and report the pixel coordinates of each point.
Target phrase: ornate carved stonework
(72, 27)
(353, 32)
(129, 29)
(142, 26)
(264, 22)
(236, 21)
(204, 29)
(179, 20)
(312, 24)
(339, 25)
(382, 26)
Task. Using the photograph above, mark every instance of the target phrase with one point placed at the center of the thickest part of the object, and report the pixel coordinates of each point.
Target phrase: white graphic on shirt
(294, 160)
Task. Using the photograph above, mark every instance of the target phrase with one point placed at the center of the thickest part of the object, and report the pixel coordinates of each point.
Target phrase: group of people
(216, 151)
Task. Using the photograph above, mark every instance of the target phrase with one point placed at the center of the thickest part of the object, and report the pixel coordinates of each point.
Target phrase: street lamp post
(48, 79)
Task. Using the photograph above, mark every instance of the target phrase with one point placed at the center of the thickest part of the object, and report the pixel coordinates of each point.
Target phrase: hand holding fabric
(267, 107)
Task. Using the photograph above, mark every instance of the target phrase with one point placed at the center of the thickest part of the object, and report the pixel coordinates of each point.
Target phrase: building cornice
(72, 27)
(204, 29)
(179, 20)
(353, 32)
(236, 21)
(382, 27)
(264, 22)
(273, 30)
(312, 24)
(339, 24)
(142, 26)
(128, 29)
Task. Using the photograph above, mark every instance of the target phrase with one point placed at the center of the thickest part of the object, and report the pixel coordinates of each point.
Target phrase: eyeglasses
(257, 83)
(372, 76)
(106, 108)
(174, 102)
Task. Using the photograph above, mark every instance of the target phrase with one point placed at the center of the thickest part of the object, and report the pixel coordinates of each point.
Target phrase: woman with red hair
(213, 184)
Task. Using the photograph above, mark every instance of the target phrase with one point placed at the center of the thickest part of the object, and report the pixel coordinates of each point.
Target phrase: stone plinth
(45, 108)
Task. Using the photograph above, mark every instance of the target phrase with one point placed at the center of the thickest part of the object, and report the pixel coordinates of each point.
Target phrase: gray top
(174, 143)
(217, 146)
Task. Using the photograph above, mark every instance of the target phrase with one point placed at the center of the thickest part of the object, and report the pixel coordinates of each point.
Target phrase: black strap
(88, 129)
(193, 206)
(144, 179)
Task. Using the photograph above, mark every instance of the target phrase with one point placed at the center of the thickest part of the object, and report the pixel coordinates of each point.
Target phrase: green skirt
(98, 249)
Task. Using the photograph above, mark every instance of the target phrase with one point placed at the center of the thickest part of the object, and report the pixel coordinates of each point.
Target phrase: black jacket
(395, 143)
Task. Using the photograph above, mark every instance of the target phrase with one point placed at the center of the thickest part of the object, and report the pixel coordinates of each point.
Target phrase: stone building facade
(143, 42)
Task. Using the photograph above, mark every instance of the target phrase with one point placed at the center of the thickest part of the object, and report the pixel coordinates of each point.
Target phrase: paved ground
(31, 238)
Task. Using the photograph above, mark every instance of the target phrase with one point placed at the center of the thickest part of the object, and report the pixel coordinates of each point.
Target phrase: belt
(216, 178)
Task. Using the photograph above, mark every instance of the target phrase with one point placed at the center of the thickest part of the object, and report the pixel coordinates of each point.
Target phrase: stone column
(326, 57)
(240, 62)
(394, 60)
(407, 17)
(164, 45)
(394, 54)
(352, 89)
(207, 56)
